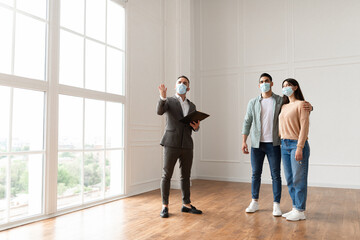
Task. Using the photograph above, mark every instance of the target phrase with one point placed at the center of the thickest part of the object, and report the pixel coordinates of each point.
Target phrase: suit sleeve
(162, 106)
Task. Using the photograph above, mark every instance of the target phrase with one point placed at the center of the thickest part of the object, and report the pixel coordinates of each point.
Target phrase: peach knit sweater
(294, 123)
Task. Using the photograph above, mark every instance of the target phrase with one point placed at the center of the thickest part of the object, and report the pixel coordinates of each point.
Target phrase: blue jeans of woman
(257, 159)
(296, 172)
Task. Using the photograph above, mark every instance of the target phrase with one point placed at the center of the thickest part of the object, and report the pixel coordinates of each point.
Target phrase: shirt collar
(260, 96)
(179, 97)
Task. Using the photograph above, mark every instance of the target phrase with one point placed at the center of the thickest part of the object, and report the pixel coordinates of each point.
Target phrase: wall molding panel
(301, 40)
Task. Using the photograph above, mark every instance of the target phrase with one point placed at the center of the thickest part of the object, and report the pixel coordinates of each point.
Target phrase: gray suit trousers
(171, 155)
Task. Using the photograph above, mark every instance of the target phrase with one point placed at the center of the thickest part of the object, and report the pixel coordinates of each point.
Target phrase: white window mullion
(91, 94)
(83, 156)
(8, 189)
(8, 168)
(104, 158)
(13, 40)
(84, 79)
(52, 106)
(84, 51)
(106, 65)
(24, 83)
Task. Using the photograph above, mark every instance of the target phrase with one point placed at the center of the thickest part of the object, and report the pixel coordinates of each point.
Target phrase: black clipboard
(194, 117)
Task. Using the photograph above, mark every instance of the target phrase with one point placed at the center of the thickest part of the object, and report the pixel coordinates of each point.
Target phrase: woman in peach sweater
(295, 150)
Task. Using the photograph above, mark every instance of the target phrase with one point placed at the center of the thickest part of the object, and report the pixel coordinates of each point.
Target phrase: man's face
(183, 81)
(265, 80)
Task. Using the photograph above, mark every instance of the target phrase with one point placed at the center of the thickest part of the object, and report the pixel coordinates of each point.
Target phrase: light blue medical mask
(287, 91)
(181, 88)
(265, 87)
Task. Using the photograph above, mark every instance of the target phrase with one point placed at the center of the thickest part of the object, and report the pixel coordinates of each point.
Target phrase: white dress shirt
(184, 105)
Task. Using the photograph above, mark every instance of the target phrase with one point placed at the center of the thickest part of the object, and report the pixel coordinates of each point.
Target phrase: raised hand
(162, 90)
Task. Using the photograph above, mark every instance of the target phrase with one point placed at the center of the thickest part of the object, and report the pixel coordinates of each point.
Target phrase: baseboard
(268, 181)
(327, 185)
(225, 179)
(143, 188)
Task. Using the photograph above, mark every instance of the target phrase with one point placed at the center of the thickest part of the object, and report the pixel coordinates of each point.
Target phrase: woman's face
(287, 84)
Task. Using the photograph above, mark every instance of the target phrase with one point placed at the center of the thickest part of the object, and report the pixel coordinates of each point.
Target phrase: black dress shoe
(191, 210)
(164, 212)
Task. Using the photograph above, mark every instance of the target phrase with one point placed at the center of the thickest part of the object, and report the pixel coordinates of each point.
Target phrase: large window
(62, 101)
(90, 130)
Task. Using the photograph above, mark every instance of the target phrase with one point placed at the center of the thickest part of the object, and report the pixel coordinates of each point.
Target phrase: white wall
(158, 41)
(316, 42)
(145, 59)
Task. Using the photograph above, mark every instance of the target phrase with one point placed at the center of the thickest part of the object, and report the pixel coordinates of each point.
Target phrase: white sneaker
(288, 213)
(253, 207)
(296, 215)
(276, 209)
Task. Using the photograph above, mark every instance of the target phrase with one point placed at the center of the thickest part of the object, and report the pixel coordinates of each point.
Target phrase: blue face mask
(287, 91)
(265, 87)
(181, 88)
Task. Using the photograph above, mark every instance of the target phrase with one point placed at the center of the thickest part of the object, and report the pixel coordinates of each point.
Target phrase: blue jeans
(273, 154)
(296, 172)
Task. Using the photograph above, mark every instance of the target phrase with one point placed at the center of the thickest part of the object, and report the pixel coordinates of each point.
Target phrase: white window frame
(52, 89)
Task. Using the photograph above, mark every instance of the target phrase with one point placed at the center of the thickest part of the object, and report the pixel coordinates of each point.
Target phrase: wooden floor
(331, 214)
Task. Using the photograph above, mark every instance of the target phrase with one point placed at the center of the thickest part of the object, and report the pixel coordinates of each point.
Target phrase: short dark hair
(297, 94)
(266, 75)
(182, 76)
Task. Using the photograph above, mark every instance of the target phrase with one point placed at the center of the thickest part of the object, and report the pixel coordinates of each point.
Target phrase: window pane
(3, 175)
(114, 125)
(93, 175)
(26, 185)
(35, 7)
(115, 71)
(4, 119)
(70, 122)
(95, 19)
(94, 124)
(8, 2)
(72, 15)
(114, 173)
(29, 48)
(71, 59)
(6, 29)
(28, 120)
(69, 179)
(95, 66)
(116, 25)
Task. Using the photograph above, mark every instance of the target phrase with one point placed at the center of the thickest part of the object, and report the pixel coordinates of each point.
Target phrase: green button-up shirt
(252, 121)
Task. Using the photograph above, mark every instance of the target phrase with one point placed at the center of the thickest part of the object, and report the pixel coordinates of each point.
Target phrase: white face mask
(181, 88)
(287, 91)
(265, 87)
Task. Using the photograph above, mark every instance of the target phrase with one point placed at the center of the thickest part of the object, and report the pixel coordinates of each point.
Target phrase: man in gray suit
(177, 142)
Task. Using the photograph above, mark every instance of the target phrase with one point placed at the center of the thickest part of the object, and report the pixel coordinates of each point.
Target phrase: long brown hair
(297, 94)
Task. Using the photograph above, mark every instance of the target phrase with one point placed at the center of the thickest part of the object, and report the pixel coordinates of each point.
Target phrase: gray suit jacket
(177, 134)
